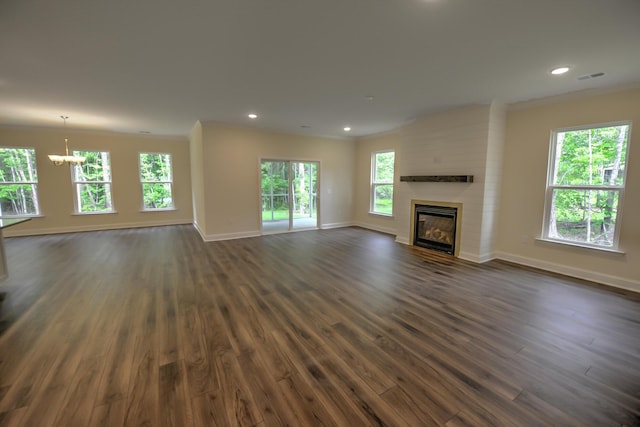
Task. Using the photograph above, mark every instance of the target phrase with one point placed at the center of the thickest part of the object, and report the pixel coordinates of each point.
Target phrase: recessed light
(347, 129)
(252, 116)
(559, 70)
(369, 98)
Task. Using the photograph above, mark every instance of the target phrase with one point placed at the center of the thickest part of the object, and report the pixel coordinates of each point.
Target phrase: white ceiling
(160, 65)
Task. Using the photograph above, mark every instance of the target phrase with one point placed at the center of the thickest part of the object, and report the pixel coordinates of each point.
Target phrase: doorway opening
(289, 195)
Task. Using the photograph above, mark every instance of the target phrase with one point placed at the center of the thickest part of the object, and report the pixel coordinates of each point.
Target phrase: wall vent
(590, 76)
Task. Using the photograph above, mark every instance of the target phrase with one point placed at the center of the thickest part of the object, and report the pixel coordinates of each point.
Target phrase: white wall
(196, 151)
(524, 180)
(231, 157)
(493, 181)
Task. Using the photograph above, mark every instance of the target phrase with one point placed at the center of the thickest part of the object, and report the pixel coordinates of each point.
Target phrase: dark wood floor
(341, 327)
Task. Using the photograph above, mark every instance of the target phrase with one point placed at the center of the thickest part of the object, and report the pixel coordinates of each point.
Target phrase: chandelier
(61, 160)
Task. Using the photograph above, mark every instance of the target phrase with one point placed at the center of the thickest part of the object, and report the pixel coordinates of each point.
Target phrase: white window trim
(551, 165)
(74, 183)
(173, 201)
(374, 184)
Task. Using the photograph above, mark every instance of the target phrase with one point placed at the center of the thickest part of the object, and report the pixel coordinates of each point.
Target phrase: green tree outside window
(92, 182)
(156, 177)
(586, 184)
(382, 170)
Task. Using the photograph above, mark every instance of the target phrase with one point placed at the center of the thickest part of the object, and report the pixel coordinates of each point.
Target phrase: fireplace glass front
(435, 228)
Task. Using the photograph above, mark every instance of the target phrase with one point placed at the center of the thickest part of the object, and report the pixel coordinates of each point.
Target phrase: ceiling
(303, 66)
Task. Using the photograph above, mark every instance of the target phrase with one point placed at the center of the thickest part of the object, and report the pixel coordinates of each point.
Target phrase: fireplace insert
(435, 228)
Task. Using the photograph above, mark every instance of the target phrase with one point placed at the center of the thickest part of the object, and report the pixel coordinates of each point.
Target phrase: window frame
(75, 184)
(550, 187)
(374, 184)
(34, 185)
(142, 183)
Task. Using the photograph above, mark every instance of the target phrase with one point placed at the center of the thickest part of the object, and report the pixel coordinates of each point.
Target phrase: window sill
(381, 214)
(93, 213)
(21, 216)
(158, 210)
(578, 245)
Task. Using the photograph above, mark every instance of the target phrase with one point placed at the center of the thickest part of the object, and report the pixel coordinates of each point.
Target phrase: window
(156, 178)
(585, 184)
(92, 182)
(382, 182)
(18, 182)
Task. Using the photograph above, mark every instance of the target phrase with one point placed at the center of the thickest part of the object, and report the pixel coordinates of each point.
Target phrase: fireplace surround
(436, 225)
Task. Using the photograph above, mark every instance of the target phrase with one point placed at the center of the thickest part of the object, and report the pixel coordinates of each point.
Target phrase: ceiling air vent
(590, 76)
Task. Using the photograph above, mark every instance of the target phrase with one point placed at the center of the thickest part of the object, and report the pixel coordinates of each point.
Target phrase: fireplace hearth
(435, 227)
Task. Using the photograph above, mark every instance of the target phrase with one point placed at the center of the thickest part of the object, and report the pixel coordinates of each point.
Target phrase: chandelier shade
(60, 160)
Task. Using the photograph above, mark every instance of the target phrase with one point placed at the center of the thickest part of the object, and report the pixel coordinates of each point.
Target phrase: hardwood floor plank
(235, 395)
(367, 368)
(419, 378)
(412, 411)
(142, 394)
(265, 344)
(142, 397)
(13, 418)
(209, 410)
(28, 378)
(447, 348)
(175, 409)
(545, 412)
(340, 327)
(237, 329)
(201, 374)
(77, 406)
(301, 398)
(406, 370)
(168, 350)
(110, 414)
(114, 383)
(266, 393)
(308, 367)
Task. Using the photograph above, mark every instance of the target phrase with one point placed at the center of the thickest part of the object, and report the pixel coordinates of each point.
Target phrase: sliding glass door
(289, 195)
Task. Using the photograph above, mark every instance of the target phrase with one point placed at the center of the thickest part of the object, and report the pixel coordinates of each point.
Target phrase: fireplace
(435, 227)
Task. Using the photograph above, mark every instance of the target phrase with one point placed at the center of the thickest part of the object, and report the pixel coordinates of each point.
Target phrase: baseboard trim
(478, 259)
(403, 240)
(12, 232)
(579, 273)
(199, 230)
(230, 236)
(336, 225)
(385, 230)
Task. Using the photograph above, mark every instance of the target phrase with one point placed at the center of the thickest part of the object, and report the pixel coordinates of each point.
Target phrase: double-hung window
(585, 184)
(382, 164)
(18, 182)
(156, 177)
(92, 182)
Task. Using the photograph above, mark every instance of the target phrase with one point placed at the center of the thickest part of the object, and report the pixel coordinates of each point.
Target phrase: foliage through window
(382, 182)
(92, 182)
(586, 184)
(18, 182)
(278, 178)
(156, 177)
